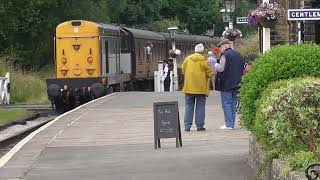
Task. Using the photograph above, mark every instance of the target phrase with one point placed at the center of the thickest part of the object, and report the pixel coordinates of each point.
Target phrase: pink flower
(269, 11)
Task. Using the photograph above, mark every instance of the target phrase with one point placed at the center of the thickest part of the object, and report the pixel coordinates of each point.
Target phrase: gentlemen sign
(303, 14)
(242, 20)
(166, 122)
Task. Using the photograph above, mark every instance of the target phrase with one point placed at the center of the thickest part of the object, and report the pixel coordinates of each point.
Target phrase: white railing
(5, 89)
(158, 75)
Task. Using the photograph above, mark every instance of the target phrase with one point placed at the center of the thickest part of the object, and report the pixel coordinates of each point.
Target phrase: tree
(28, 26)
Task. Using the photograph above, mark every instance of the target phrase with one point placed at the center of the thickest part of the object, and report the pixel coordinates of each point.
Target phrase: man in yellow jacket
(196, 70)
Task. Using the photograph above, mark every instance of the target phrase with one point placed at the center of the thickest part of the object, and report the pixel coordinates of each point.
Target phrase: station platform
(112, 138)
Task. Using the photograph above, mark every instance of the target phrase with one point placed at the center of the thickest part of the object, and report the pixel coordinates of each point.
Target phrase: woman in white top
(212, 61)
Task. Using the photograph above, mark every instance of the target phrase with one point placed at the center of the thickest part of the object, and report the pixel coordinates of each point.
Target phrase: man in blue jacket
(228, 81)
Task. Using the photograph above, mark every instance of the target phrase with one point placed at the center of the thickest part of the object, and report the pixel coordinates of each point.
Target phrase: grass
(7, 116)
(249, 46)
(26, 86)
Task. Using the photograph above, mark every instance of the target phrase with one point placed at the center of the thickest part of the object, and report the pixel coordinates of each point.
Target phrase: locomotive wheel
(97, 90)
(130, 86)
(59, 107)
(110, 90)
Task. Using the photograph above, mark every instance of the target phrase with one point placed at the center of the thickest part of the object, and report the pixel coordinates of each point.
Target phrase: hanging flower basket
(266, 15)
(232, 34)
(268, 23)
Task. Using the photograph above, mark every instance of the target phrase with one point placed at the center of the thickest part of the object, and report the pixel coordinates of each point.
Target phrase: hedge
(286, 112)
(282, 62)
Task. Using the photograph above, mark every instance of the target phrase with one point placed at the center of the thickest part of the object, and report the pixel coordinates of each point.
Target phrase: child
(212, 58)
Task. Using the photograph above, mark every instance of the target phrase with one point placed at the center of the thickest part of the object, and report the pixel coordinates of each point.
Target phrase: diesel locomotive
(93, 59)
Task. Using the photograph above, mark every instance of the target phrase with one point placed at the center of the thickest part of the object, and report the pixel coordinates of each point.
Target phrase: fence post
(156, 85)
(8, 88)
(5, 89)
(160, 75)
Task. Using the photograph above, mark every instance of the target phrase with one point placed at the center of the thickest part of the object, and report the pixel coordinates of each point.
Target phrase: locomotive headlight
(90, 60)
(64, 60)
(64, 70)
(90, 71)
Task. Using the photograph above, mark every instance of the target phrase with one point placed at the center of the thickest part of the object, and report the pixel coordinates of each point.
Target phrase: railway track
(27, 106)
(13, 134)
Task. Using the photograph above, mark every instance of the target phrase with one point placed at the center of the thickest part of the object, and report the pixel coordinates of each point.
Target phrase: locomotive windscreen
(76, 23)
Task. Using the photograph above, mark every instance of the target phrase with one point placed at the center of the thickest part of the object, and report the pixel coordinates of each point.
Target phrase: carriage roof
(145, 34)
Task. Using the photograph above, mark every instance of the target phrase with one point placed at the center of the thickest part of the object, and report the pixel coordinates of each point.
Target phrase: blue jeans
(191, 100)
(229, 101)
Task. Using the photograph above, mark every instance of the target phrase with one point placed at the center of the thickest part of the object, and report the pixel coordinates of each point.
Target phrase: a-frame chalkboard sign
(166, 122)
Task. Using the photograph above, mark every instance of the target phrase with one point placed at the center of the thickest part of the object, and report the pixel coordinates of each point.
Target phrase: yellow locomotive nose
(77, 50)
(64, 60)
(90, 60)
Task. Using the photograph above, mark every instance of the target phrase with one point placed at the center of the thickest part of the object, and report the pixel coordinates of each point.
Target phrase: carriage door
(113, 55)
(110, 55)
(125, 56)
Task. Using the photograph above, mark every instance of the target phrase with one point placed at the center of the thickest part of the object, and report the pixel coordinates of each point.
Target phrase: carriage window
(139, 53)
(125, 46)
(148, 48)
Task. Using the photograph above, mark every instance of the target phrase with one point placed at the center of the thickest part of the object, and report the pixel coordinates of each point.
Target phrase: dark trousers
(166, 84)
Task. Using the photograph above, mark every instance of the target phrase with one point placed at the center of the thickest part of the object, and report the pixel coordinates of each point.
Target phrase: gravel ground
(10, 136)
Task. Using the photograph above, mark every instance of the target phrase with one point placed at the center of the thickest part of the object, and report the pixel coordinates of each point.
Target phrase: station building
(287, 31)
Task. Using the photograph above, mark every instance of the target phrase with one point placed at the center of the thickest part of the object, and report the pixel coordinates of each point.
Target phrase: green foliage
(27, 27)
(162, 25)
(199, 15)
(282, 62)
(7, 116)
(26, 87)
(300, 160)
(242, 9)
(260, 130)
(286, 112)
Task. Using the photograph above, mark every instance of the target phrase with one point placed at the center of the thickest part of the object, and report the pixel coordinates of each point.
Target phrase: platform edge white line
(24, 141)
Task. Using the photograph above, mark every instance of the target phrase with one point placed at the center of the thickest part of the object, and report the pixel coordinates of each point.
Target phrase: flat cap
(225, 41)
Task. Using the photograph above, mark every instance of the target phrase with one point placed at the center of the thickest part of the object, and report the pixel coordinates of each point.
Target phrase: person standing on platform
(196, 70)
(212, 61)
(166, 79)
(229, 74)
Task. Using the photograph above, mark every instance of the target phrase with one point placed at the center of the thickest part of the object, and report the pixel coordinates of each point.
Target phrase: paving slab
(112, 138)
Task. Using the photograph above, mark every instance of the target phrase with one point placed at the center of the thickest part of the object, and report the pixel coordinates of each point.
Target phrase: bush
(282, 62)
(286, 112)
(300, 160)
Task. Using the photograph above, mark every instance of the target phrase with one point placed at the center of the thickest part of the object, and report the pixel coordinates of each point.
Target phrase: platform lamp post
(229, 7)
(172, 31)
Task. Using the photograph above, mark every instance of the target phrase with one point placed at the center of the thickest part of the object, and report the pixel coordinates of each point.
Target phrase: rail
(27, 106)
(5, 89)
